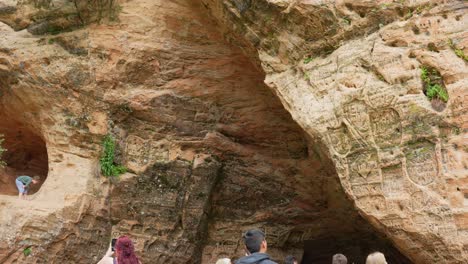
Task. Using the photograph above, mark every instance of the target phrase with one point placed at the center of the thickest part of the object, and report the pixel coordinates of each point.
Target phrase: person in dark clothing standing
(23, 182)
(256, 247)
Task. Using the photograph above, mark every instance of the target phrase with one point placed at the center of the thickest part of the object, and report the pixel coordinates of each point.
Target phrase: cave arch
(356, 246)
(26, 154)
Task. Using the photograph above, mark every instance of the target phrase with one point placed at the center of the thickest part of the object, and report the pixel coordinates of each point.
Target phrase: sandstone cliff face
(349, 72)
(347, 154)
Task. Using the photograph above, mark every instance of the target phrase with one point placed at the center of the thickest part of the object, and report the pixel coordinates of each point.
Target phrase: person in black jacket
(256, 247)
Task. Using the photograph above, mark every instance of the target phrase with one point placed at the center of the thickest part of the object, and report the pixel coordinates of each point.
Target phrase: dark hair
(339, 259)
(253, 240)
(289, 260)
(126, 251)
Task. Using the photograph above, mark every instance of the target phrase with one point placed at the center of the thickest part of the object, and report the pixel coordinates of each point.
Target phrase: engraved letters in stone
(367, 189)
(340, 139)
(420, 201)
(393, 184)
(374, 203)
(421, 163)
(364, 167)
(386, 127)
(381, 96)
(356, 114)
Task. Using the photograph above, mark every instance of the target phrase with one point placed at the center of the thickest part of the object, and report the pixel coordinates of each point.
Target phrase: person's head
(223, 261)
(254, 241)
(339, 259)
(125, 251)
(376, 258)
(290, 260)
(36, 179)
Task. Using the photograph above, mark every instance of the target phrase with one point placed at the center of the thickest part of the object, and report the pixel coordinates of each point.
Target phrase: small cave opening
(355, 246)
(26, 154)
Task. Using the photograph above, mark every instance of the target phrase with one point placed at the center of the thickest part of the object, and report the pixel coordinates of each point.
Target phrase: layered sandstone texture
(308, 119)
(349, 72)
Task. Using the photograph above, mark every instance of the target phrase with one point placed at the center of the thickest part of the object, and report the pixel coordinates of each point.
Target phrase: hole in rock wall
(26, 155)
(355, 247)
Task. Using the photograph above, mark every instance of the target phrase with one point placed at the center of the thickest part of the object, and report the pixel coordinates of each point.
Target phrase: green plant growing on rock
(27, 251)
(432, 83)
(108, 165)
(437, 91)
(2, 150)
(385, 6)
(457, 51)
(423, 8)
(461, 54)
(425, 75)
(114, 14)
(409, 14)
(308, 59)
(347, 20)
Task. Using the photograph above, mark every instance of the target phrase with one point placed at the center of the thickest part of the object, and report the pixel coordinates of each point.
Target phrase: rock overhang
(233, 138)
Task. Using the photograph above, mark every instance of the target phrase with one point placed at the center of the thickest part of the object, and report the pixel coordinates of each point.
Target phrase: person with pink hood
(124, 253)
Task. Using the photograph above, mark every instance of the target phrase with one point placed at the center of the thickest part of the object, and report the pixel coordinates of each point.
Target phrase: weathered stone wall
(211, 150)
(358, 87)
(41, 17)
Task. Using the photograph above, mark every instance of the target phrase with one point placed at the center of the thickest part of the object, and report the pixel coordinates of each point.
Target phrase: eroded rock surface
(350, 74)
(186, 88)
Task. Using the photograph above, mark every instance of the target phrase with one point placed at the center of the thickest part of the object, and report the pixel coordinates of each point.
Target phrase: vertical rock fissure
(205, 218)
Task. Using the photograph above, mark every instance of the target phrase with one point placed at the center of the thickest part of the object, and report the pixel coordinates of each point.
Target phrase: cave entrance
(26, 155)
(355, 246)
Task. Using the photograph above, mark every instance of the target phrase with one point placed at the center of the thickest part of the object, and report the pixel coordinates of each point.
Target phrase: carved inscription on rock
(383, 96)
(367, 189)
(393, 183)
(373, 203)
(278, 235)
(395, 222)
(420, 201)
(386, 127)
(356, 114)
(322, 79)
(397, 205)
(364, 167)
(421, 163)
(340, 139)
(299, 236)
(341, 165)
(449, 161)
(359, 79)
(436, 224)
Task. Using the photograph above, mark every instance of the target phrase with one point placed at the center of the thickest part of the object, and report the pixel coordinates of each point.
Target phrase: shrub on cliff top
(108, 165)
